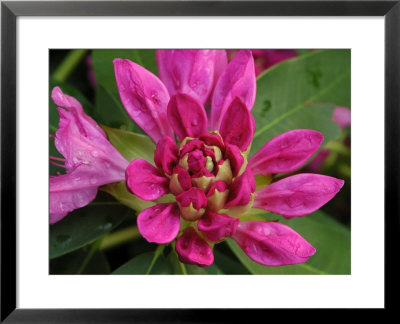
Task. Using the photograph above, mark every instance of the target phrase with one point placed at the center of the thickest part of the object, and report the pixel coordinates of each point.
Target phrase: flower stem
(69, 64)
(183, 268)
(157, 253)
(89, 256)
(119, 237)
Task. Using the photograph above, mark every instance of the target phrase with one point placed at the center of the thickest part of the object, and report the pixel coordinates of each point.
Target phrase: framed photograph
(183, 154)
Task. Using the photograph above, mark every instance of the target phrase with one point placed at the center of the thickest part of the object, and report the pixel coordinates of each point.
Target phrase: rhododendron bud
(217, 196)
(237, 160)
(241, 189)
(213, 139)
(196, 161)
(241, 194)
(203, 179)
(192, 203)
(224, 172)
(217, 226)
(192, 249)
(166, 154)
(180, 181)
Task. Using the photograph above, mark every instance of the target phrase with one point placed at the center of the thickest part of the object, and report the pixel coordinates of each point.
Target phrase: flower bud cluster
(205, 171)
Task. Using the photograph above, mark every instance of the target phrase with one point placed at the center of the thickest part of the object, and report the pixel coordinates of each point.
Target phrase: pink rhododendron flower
(208, 171)
(90, 159)
(342, 116)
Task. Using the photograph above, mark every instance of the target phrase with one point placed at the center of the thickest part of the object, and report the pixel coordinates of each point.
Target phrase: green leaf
(70, 263)
(109, 108)
(85, 225)
(131, 145)
(289, 95)
(210, 270)
(104, 68)
(330, 238)
(109, 111)
(228, 265)
(141, 263)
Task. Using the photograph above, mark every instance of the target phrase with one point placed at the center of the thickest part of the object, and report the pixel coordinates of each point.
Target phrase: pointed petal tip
(286, 152)
(187, 116)
(298, 195)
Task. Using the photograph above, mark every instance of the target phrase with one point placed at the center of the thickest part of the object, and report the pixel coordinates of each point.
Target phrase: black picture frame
(10, 10)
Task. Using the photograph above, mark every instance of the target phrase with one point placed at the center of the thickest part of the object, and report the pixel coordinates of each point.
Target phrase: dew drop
(105, 226)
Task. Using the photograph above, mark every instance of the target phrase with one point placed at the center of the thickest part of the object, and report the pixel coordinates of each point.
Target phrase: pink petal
(298, 195)
(235, 158)
(166, 154)
(188, 71)
(192, 249)
(342, 116)
(69, 192)
(81, 140)
(187, 116)
(272, 244)
(146, 181)
(144, 97)
(193, 196)
(218, 185)
(238, 125)
(237, 80)
(241, 189)
(160, 223)
(221, 61)
(90, 159)
(196, 161)
(192, 145)
(217, 226)
(180, 181)
(213, 140)
(286, 152)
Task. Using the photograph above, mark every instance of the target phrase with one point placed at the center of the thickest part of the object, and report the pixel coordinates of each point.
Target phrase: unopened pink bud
(217, 196)
(180, 181)
(192, 203)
